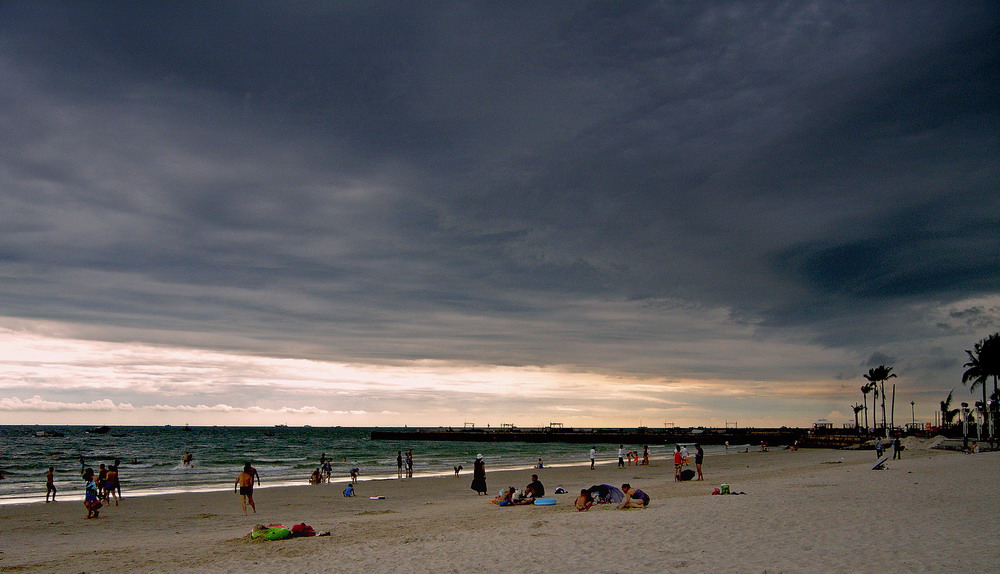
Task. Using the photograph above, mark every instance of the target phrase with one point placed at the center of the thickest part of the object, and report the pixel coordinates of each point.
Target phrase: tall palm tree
(879, 375)
(857, 409)
(984, 362)
(948, 414)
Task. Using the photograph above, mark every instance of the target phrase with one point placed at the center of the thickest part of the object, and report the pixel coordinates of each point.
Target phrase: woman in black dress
(479, 475)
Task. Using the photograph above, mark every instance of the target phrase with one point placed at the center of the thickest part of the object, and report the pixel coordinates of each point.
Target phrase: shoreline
(343, 480)
(804, 511)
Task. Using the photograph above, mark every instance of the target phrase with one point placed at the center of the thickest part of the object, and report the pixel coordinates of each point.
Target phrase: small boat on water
(100, 430)
(48, 433)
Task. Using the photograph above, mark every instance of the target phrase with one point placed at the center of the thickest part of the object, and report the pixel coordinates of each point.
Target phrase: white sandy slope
(805, 511)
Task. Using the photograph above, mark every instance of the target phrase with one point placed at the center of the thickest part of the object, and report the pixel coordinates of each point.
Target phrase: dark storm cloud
(480, 181)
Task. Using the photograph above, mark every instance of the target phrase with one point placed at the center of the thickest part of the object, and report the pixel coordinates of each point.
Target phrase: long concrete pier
(773, 436)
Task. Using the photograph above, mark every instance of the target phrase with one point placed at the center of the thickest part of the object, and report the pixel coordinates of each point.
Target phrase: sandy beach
(804, 511)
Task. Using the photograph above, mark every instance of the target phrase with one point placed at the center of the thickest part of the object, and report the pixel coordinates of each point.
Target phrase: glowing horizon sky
(600, 214)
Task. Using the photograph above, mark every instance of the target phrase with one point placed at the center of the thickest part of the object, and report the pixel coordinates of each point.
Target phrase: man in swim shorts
(245, 483)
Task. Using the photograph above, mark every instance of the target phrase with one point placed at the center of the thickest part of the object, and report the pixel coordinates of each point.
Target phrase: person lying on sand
(584, 501)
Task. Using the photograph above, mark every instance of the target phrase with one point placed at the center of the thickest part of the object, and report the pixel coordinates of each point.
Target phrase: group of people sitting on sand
(533, 491)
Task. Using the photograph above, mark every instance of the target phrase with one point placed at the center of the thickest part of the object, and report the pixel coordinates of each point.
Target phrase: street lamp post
(913, 419)
(965, 426)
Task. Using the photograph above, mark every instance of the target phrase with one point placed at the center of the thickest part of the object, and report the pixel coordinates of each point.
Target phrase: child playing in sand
(584, 502)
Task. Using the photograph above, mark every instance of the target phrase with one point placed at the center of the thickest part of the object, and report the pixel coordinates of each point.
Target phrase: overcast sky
(595, 213)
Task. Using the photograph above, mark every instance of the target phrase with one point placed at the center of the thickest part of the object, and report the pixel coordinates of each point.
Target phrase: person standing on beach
(50, 484)
(399, 464)
(645, 455)
(593, 456)
(244, 482)
(897, 449)
(621, 456)
(878, 448)
(111, 485)
(118, 480)
(678, 462)
(409, 463)
(102, 482)
(479, 475)
(699, 456)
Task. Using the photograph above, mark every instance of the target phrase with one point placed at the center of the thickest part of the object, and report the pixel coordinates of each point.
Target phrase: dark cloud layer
(574, 183)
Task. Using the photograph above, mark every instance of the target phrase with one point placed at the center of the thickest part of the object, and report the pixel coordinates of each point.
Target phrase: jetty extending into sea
(775, 437)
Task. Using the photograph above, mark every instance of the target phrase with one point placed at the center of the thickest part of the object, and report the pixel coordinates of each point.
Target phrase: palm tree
(857, 409)
(948, 414)
(880, 375)
(865, 389)
(984, 362)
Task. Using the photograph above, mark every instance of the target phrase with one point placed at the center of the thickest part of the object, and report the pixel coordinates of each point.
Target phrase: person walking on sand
(621, 456)
(399, 464)
(593, 456)
(699, 457)
(91, 497)
(244, 482)
(645, 455)
(479, 475)
(897, 449)
(111, 485)
(50, 484)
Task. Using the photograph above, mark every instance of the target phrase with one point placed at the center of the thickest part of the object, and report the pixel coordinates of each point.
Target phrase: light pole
(913, 419)
(965, 426)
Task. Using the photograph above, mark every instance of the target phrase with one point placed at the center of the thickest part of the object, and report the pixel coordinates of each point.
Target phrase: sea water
(151, 457)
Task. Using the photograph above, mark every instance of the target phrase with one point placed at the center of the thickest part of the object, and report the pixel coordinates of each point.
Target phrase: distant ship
(99, 430)
(49, 433)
